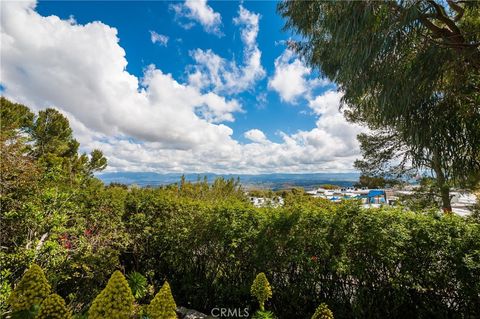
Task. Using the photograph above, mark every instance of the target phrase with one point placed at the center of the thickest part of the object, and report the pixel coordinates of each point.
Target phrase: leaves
(163, 305)
(322, 312)
(409, 71)
(115, 301)
(138, 284)
(32, 289)
(261, 290)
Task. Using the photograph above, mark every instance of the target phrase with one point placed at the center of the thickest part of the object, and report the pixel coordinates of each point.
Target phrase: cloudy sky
(191, 86)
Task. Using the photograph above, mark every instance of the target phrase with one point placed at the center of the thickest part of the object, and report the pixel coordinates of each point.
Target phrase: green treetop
(53, 307)
(14, 117)
(323, 312)
(32, 289)
(163, 305)
(410, 71)
(115, 301)
(261, 290)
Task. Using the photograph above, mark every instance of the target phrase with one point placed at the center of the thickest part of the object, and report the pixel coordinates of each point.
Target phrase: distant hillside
(271, 181)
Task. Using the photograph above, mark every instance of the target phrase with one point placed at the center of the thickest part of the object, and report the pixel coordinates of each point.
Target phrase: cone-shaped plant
(53, 307)
(323, 312)
(261, 290)
(115, 301)
(32, 289)
(163, 305)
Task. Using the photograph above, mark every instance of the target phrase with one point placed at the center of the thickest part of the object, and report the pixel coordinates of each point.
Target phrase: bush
(32, 289)
(115, 301)
(263, 315)
(163, 305)
(53, 307)
(5, 289)
(410, 264)
(138, 284)
(322, 312)
(261, 290)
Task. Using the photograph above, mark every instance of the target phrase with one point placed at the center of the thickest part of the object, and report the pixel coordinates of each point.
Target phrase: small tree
(32, 289)
(53, 307)
(163, 305)
(261, 290)
(115, 301)
(323, 312)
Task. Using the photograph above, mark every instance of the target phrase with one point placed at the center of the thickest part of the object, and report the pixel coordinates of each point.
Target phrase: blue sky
(188, 86)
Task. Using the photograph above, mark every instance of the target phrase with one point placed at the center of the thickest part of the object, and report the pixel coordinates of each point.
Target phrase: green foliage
(323, 312)
(97, 161)
(32, 289)
(263, 315)
(329, 186)
(53, 307)
(30, 313)
(404, 258)
(267, 193)
(53, 210)
(115, 301)
(163, 305)
(53, 135)
(261, 290)
(14, 117)
(410, 71)
(138, 284)
(375, 182)
(5, 289)
(423, 198)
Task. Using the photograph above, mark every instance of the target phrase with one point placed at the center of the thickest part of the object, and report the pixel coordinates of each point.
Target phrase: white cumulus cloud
(153, 122)
(214, 72)
(256, 136)
(47, 61)
(201, 12)
(291, 77)
(161, 39)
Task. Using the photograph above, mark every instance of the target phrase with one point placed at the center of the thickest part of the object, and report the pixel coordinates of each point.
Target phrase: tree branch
(457, 8)
(442, 16)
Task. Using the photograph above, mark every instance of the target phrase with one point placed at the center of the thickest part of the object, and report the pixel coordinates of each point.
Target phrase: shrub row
(386, 263)
(32, 298)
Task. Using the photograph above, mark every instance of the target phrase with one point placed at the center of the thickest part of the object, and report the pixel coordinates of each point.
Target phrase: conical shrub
(261, 290)
(163, 305)
(53, 307)
(323, 312)
(115, 301)
(32, 289)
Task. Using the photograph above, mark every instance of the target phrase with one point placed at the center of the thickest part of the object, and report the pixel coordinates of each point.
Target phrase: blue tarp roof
(376, 192)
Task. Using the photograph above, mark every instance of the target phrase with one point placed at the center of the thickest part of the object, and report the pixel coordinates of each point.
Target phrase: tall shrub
(53, 307)
(261, 290)
(32, 289)
(323, 312)
(163, 305)
(115, 301)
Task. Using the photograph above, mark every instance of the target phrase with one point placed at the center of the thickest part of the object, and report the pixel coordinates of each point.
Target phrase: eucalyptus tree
(409, 70)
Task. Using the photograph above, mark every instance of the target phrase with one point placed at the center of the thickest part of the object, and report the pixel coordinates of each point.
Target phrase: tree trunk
(442, 183)
(446, 202)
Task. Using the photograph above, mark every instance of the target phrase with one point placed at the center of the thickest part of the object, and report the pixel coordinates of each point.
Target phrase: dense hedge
(384, 263)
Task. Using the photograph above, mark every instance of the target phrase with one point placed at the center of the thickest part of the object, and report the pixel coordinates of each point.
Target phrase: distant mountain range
(268, 181)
